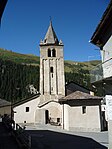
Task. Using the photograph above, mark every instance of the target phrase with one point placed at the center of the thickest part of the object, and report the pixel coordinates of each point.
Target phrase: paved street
(52, 138)
(6, 140)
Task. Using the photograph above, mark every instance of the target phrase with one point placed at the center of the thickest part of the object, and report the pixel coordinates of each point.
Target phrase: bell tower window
(51, 69)
(49, 53)
(53, 53)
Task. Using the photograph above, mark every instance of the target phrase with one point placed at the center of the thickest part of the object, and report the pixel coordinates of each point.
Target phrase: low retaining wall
(23, 139)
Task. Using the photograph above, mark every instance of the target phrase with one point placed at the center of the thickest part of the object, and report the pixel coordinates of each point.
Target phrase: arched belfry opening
(49, 53)
(53, 53)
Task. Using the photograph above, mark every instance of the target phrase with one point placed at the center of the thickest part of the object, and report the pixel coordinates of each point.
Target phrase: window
(83, 109)
(51, 69)
(52, 75)
(49, 53)
(27, 109)
(53, 53)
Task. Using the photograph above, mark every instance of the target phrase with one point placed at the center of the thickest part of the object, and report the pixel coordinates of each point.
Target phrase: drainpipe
(63, 116)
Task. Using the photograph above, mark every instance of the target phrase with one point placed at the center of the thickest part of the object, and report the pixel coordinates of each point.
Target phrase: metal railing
(96, 74)
(22, 136)
(101, 71)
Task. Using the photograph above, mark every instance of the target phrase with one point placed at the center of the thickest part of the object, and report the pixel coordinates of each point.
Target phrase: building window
(27, 109)
(53, 53)
(49, 53)
(83, 109)
(52, 75)
(51, 69)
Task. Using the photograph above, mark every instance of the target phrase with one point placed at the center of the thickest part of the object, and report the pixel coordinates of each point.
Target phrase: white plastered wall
(75, 120)
(20, 114)
(55, 111)
(106, 55)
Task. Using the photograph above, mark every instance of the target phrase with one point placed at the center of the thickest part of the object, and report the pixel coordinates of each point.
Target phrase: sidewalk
(6, 139)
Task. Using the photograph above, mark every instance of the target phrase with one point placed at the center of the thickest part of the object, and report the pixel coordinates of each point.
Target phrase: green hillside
(17, 71)
(70, 66)
(18, 58)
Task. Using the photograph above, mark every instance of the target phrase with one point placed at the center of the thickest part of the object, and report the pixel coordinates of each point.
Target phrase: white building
(52, 85)
(102, 74)
(82, 112)
(102, 37)
(52, 106)
(25, 111)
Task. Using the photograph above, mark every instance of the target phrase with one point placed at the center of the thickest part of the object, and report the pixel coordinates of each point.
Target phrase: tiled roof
(4, 103)
(26, 100)
(79, 95)
(72, 87)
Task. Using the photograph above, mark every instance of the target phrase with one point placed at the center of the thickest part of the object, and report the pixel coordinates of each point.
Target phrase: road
(48, 137)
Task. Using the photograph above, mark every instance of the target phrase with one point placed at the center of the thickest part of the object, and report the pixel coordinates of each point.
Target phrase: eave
(104, 28)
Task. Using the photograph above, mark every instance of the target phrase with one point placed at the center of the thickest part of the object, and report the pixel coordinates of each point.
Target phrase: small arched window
(51, 69)
(53, 53)
(49, 53)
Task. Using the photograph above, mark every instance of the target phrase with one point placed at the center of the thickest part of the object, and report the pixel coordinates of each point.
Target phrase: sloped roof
(50, 37)
(72, 87)
(4, 103)
(79, 95)
(103, 30)
(26, 100)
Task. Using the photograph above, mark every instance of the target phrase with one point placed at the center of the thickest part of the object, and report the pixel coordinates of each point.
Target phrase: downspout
(63, 116)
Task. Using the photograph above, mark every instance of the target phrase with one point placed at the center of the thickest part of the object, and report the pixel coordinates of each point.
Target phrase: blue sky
(25, 22)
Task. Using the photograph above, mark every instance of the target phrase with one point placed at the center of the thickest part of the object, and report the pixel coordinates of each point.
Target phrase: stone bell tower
(52, 79)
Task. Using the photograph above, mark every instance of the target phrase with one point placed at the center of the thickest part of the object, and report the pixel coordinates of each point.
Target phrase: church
(78, 110)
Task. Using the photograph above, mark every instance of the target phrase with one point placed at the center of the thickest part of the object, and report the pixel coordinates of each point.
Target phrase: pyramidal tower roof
(50, 37)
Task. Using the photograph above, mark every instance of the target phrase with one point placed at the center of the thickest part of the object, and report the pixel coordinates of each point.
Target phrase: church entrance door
(46, 116)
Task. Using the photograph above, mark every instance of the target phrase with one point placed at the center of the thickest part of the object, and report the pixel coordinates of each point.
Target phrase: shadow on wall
(46, 139)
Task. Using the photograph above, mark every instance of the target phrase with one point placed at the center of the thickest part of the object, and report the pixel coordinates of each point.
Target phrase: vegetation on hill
(18, 58)
(79, 72)
(17, 71)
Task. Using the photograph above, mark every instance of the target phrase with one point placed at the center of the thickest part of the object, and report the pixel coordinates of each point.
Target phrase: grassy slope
(18, 58)
(70, 66)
